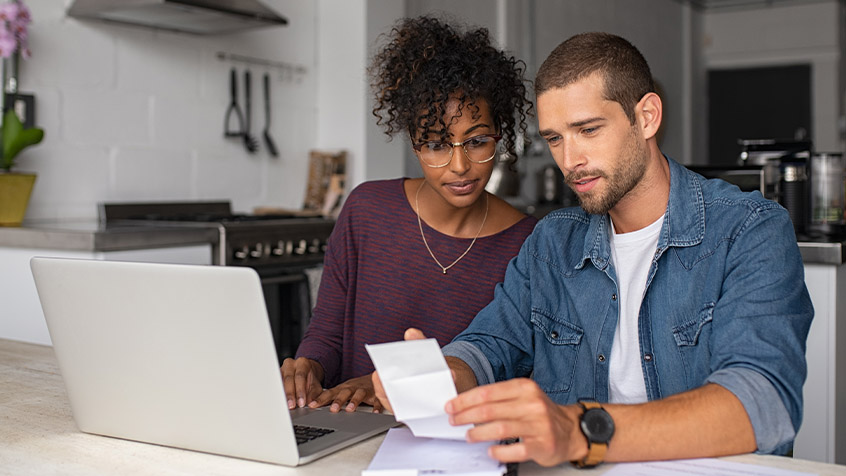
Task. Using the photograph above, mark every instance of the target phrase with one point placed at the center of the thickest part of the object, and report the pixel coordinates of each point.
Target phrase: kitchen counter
(39, 437)
(92, 236)
(814, 252)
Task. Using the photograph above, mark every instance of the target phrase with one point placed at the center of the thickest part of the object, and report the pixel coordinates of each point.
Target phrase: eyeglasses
(478, 149)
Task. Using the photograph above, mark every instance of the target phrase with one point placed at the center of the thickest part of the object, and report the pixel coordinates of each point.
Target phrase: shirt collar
(684, 219)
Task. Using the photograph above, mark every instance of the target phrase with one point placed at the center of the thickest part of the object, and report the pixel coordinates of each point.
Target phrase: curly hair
(427, 62)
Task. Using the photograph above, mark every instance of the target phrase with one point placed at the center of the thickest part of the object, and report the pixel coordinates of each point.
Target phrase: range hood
(199, 17)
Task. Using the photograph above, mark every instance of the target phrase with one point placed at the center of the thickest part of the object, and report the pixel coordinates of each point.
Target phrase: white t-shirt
(632, 254)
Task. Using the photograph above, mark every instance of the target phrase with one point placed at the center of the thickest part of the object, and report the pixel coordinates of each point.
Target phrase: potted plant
(15, 188)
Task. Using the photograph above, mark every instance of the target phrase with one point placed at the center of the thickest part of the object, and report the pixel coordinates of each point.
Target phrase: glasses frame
(453, 145)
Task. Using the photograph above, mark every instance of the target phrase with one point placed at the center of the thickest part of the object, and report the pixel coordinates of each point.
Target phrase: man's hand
(301, 379)
(548, 433)
(351, 393)
(410, 334)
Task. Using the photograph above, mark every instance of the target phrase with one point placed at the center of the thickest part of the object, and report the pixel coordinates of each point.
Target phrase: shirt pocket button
(553, 335)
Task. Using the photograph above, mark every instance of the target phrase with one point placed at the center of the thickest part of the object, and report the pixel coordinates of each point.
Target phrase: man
(666, 318)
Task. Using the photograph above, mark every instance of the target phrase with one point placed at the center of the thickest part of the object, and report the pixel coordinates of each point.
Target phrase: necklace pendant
(423, 236)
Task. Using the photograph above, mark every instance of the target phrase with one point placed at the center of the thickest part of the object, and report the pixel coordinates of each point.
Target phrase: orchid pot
(15, 188)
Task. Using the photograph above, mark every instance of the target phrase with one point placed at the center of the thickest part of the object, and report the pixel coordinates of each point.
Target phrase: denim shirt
(725, 303)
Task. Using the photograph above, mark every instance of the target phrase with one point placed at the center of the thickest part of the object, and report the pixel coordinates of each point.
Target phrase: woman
(424, 252)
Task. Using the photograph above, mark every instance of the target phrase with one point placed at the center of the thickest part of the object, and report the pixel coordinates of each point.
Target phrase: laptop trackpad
(355, 422)
(349, 427)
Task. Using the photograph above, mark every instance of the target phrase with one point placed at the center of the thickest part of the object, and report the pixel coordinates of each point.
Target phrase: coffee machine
(811, 186)
(828, 196)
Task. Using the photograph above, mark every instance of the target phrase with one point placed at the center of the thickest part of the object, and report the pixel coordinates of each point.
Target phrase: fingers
(348, 395)
(356, 399)
(377, 405)
(313, 388)
(495, 412)
(497, 392)
(548, 433)
(287, 371)
(299, 381)
(324, 397)
(342, 396)
(413, 334)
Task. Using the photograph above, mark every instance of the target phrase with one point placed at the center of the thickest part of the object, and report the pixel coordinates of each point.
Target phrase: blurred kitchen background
(134, 113)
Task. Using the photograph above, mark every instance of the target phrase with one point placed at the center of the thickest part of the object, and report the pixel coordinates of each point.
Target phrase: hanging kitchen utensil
(271, 146)
(250, 142)
(233, 111)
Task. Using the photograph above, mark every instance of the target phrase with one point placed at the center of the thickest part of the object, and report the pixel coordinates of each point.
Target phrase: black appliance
(748, 178)
(280, 247)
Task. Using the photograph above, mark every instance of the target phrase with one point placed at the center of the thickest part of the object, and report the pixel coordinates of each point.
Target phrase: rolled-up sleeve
(761, 323)
(474, 358)
(774, 431)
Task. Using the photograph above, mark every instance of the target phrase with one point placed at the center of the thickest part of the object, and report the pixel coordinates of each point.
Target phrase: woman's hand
(302, 381)
(349, 395)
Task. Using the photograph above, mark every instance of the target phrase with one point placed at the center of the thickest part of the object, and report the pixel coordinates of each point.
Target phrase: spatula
(271, 146)
(250, 142)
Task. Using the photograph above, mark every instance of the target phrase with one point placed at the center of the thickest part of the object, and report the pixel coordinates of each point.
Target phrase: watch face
(597, 425)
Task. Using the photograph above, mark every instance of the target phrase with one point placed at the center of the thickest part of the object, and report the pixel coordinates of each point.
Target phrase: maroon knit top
(378, 280)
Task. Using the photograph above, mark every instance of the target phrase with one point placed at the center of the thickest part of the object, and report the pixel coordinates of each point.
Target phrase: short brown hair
(624, 70)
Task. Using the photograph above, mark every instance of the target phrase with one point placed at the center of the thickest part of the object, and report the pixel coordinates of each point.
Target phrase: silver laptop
(181, 356)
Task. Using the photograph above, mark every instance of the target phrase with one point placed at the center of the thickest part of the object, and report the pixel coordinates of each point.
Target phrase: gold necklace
(420, 224)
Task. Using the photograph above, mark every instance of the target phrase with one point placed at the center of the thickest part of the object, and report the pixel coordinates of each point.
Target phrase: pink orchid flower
(9, 11)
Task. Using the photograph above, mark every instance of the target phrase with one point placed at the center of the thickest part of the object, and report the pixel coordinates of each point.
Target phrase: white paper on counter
(403, 454)
(702, 466)
(418, 383)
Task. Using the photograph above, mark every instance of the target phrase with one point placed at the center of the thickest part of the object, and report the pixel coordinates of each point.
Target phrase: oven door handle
(284, 279)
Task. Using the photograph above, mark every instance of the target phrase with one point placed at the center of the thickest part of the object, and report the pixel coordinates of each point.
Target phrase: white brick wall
(137, 114)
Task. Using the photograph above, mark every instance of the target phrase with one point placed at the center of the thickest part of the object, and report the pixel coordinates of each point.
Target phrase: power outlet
(24, 107)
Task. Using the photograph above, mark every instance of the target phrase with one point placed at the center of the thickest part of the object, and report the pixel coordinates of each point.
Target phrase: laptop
(181, 356)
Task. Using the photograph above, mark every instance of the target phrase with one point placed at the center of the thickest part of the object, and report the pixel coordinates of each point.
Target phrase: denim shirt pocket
(692, 338)
(556, 352)
(688, 334)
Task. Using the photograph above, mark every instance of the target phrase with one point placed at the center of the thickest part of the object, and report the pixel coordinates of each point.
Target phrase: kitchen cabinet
(822, 436)
(22, 318)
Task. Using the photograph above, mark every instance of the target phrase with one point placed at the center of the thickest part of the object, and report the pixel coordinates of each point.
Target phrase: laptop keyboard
(308, 433)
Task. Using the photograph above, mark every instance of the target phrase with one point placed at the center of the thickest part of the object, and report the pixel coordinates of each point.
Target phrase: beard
(628, 172)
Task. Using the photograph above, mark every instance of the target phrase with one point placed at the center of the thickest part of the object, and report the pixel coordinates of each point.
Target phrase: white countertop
(38, 436)
(89, 235)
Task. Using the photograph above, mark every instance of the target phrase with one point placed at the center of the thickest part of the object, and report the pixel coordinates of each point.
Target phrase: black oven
(285, 249)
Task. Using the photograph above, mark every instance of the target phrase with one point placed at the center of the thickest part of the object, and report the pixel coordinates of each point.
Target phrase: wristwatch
(598, 427)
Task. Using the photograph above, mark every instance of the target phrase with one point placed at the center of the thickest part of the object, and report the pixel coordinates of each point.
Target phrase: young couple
(664, 318)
